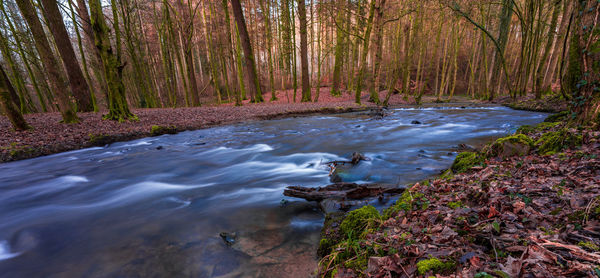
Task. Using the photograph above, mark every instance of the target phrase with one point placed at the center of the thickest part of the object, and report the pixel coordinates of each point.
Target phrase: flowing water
(154, 207)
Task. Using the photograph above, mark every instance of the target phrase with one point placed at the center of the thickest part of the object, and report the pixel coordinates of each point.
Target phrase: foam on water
(5, 253)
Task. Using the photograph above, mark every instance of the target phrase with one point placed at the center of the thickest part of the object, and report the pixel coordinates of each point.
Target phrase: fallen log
(342, 190)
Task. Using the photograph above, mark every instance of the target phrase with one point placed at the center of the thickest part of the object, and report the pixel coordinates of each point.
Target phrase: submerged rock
(415, 122)
(228, 238)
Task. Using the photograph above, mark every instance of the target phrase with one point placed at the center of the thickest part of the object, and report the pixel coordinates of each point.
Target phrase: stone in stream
(228, 238)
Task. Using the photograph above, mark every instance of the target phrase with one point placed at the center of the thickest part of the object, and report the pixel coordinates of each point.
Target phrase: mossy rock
(434, 265)
(556, 141)
(358, 220)
(504, 147)
(558, 117)
(157, 130)
(465, 160)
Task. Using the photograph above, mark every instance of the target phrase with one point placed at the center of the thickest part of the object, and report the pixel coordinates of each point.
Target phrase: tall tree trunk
(547, 49)
(118, 109)
(229, 47)
(365, 52)
(556, 52)
(240, 73)
(7, 93)
(304, 52)
(95, 61)
(77, 81)
(267, 19)
(83, 59)
(339, 50)
(255, 92)
(51, 65)
(378, 43)
(584, 63)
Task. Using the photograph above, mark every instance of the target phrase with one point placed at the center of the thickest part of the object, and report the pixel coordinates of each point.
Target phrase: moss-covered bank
(484, 215)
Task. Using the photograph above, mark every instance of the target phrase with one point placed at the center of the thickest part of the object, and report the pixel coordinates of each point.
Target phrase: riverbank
(49, 136)
(527, 204)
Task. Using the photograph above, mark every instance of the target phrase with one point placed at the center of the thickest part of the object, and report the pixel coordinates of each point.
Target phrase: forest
(407, 138)
(73, 56)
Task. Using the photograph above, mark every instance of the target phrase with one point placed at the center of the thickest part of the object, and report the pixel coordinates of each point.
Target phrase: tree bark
(51, 65)
(304, 52)
(584, 64)
(378, 43)
(7, 93)
(77, 81)
(365, 52)
(118, 109)
(255, 92)
(339, 51)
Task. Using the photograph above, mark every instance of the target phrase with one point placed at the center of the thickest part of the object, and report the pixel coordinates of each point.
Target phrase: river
(154, 207)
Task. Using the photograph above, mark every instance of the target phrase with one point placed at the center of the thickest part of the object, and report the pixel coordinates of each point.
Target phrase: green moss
(358, 220)
(435, 265)
(483, 275)
(543, 126)
(589, 245)
(157, 130)
(465, 160)
(330, 233)
(447, 175)
(546, 125)
(525, 129)
(17, 150)
(558, 117)
(99, 139)
(518, 144)
(553, 142)
(455, 205)
(407, 202)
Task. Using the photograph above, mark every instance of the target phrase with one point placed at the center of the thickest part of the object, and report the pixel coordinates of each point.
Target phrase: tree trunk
(378, 43)
(255, 93)
(95, 60)
(77, 81)
(267, 19)
(304, 52)
(118, 109)
(365, 52)
(584, 63)
(7, 93)
(51, 65)
(339, 51)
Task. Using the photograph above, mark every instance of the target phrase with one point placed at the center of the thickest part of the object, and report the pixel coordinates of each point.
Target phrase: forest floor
(49, 136)
(527, 205)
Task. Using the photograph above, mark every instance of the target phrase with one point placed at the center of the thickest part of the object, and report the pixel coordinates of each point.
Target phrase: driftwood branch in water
(356, 158)
(341, 190)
